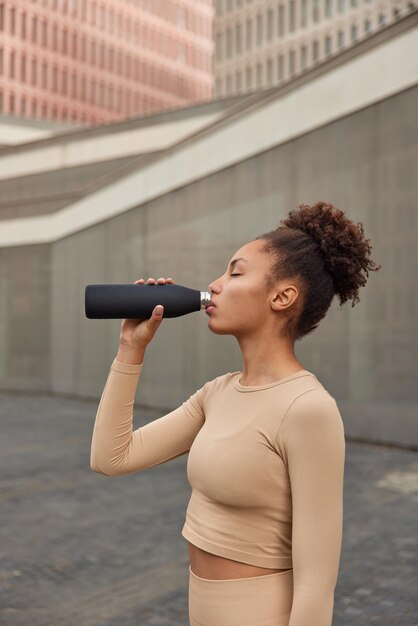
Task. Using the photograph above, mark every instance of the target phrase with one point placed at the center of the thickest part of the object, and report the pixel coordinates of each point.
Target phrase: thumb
(158, 312)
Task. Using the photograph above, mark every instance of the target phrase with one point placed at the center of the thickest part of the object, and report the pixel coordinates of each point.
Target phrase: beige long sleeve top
(266, 468)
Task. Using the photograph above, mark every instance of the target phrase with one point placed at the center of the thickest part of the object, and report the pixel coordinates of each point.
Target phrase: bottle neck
(204, 299)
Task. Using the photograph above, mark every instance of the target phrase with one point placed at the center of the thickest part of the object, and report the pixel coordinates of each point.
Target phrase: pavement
(81, 549)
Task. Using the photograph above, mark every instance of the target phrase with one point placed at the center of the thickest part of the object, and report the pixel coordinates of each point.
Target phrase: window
(270, 22)
(238, 81)
(280, 20)
(315, 10)
(44, 34)
(34, 72)
(259, 75)
(341, 6)
(367, 26)
(65, 41)
(327, 45)
(340, 38)
(23, 67)
(304, 14)
(248, 77)
(303, 55)
(238, 38)
(328, 8)
(269, 72)
(12, 21)
(228, 84)
(291, 15)
(44, 75)
(35, 29)
(12, 65)
(248, 35)
(315, 50)
(259, 29)
(54, 79)
(291, 61)
(353, 32)
(228, 43)
(280, 67)
(83, 48)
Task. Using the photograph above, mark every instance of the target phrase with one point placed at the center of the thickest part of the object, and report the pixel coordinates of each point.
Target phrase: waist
(211, 566)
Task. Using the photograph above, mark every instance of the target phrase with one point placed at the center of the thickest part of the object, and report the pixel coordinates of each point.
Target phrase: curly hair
(327, 252)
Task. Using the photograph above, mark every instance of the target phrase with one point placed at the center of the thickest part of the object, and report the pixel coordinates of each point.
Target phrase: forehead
(252, 251)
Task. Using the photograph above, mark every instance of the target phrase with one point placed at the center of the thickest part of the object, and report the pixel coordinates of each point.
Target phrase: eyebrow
(234, 261)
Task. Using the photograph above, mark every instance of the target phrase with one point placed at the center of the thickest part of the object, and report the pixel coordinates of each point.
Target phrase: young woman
(266, 445)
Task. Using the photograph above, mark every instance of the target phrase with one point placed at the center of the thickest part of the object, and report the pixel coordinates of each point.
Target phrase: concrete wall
(366, 356)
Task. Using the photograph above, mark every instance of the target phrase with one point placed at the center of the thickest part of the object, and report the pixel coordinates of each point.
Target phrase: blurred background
(154, 138)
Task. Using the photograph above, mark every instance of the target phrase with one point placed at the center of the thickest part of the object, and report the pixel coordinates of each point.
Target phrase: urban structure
(98, 61)
(261, 43)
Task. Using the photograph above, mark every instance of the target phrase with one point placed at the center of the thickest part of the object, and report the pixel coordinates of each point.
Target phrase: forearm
(113, 427)
(312, 608)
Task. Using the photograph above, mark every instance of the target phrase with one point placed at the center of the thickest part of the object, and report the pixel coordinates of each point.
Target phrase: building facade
(99, 61)
(261, 43)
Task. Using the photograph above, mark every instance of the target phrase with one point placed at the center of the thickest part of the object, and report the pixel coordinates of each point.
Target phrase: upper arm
(167, 437)
(313, 445)
(117, 449)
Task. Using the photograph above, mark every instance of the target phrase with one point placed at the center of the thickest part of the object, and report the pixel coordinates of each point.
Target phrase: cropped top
(265, 465)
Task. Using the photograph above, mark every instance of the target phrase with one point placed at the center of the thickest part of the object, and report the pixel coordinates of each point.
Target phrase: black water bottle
(132, 301)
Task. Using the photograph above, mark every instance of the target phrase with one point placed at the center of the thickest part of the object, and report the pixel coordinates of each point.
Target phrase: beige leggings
(257, 601)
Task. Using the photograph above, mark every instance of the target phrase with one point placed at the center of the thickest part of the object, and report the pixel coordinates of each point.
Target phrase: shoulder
(312, 428)
(312, 405)
(312, 413)
(221, 382)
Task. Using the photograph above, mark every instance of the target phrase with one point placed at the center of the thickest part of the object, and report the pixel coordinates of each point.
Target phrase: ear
(284, 298)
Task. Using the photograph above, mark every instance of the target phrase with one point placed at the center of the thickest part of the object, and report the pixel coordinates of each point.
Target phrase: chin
(220, 331)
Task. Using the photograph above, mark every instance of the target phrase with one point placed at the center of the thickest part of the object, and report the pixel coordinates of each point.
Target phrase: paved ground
(81, 549)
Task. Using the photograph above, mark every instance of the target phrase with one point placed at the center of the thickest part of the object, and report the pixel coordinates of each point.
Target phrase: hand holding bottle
(137, 332)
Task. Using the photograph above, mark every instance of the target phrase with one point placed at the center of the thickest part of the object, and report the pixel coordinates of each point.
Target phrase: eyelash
(235, 274)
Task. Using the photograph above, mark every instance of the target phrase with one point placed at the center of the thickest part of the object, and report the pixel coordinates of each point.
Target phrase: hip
(264, 600)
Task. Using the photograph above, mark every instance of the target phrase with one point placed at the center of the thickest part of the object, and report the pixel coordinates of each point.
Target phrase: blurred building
(97, 61)
(178, 192)
(261, 43)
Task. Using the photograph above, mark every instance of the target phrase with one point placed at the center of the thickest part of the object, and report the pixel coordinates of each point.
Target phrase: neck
(266, 361)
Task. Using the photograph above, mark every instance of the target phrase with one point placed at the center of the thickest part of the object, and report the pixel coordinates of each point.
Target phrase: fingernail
(159, 310)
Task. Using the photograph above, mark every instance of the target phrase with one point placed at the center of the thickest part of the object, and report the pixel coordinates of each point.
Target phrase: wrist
(129, 353)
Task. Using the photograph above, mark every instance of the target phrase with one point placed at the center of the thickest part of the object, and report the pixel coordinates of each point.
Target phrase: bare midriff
(207, 565)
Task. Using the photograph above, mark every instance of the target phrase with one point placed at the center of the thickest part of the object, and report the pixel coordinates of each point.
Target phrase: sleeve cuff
(126, 368)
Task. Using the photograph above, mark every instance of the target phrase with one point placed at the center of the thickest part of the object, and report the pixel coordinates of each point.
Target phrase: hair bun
(344, 249)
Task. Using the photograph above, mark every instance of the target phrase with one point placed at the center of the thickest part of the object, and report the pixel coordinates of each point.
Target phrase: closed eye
(235, 274)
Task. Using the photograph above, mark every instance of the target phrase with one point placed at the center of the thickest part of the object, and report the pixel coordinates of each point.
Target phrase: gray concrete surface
(81, 549)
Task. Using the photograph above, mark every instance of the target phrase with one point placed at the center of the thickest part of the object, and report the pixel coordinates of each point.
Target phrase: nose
(211, 289)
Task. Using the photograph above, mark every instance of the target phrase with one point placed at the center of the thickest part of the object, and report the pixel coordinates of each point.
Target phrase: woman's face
(241, 298)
